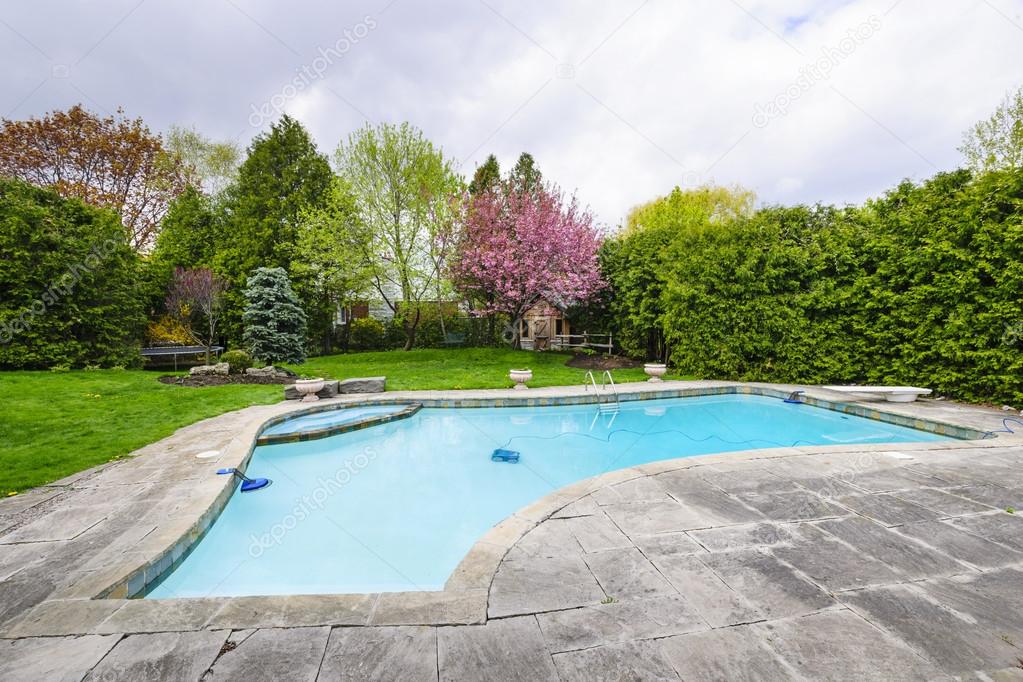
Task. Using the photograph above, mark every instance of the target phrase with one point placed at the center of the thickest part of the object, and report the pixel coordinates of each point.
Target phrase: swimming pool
(395, 507)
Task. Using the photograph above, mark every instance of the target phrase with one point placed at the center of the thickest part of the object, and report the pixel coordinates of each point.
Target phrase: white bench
(893, 394)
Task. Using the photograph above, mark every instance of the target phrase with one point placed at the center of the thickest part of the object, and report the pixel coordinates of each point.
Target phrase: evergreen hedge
(68, 279)
(923, 286)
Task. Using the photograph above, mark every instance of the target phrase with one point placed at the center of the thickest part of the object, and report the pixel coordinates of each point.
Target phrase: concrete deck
(876, 562)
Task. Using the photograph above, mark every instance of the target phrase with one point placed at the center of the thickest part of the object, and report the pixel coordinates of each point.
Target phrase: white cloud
(654, 100)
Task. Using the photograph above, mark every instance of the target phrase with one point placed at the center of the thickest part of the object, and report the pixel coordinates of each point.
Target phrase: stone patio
(873, 562)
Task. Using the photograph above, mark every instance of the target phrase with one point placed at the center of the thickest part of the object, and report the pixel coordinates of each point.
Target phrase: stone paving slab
(994, 598)
(401, 654)
(241, 613)
(504, 650)
(832, 564)
(911, 559)
(52, 658)
(741, 537)
(542, 584)
(991, 495)
(667, 544)
(595, 533)
(438, 608)
(79, 616)
(888, 509)
(958, 645)
(706, 592)
(943, 502)
(960, 545)
(622, 661)
(161, 615)
(274, 654)
(164, 656)
(840, 645)
(1000, 527)
(627, 574)
(619, 621)
(774, 589)
(736, 654)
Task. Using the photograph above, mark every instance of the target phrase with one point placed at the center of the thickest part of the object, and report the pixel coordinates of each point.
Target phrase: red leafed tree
(111, 162)
(198, 293)
(519, 248)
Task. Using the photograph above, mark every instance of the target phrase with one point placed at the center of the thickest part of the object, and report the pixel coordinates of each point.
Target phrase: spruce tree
(275, 324)
(525, 176)
(487, 176)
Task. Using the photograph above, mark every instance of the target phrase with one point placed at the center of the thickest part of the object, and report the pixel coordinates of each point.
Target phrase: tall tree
(486, 177)
(331, 257)
(215, 163)
(997, 143)
(525, 176)
(282, 177)
(403, 188)
(111, 162)
(521, 248)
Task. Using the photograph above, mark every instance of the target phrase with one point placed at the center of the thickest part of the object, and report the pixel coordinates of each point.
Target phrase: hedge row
(923, 286)
(68, 281)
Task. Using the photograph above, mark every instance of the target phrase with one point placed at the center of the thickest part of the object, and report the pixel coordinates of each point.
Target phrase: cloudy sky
(800, 100)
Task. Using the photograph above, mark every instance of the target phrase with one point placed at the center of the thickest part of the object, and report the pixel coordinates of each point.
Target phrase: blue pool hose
(1005, 427)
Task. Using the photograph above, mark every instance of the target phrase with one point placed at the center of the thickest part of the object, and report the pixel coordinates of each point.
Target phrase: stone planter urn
(520, 377)
(655, 370)
(309, 388)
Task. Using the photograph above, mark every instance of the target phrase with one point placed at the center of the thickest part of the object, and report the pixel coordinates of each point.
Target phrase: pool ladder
(604, 407)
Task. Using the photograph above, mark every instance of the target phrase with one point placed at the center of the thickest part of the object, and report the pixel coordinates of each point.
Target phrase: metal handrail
(589, 373)
(606, 378)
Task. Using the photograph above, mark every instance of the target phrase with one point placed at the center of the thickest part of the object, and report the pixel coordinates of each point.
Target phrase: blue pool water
(395, 507)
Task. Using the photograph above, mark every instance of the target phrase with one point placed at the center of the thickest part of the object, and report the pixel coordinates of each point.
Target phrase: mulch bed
(221, 380)
(602, 362)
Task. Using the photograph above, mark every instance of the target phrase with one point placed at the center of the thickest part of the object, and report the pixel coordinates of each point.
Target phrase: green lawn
(54, 424)
(455, 368)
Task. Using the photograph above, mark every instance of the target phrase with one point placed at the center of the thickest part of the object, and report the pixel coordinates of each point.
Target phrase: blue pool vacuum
(504, 456)
(248, 484)
(795, 398)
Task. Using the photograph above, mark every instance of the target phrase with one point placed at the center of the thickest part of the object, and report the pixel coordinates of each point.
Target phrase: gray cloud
(617, 101)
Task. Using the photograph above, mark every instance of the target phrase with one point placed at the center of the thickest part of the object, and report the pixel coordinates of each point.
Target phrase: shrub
(238, 360)
(368, 334)
(67, 283)
(168, 329)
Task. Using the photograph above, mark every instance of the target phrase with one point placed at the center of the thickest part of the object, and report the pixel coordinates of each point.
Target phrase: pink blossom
(517, 249)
